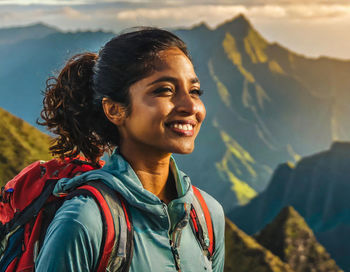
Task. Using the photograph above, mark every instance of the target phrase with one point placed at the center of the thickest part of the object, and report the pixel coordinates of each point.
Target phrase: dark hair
(72, 107)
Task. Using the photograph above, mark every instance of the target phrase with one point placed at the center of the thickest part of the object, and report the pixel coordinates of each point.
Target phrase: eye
(164, 91)
(197, 92)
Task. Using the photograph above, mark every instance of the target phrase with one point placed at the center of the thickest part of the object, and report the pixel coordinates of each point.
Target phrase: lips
(182, 127)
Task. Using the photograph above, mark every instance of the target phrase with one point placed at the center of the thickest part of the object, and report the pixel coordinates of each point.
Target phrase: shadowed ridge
(318, 188)
(290, 238)
(270, 199)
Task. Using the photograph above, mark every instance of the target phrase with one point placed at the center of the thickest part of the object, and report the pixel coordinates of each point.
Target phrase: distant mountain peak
(38, 30)
(289, 237)
(36, 25)
(240, 22)
(201, 26)
(240, 18)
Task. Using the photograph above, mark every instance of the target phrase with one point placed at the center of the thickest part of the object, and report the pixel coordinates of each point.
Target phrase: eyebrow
(172, 80)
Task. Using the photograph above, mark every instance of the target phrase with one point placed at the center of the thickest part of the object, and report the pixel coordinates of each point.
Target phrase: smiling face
(166, 109)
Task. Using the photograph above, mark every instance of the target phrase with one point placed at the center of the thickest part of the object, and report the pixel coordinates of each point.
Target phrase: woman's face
(166, 109)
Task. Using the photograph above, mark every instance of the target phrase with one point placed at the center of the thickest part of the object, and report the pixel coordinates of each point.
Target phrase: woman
(141, 95)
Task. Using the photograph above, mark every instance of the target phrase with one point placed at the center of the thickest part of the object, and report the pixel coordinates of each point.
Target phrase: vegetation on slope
(243, 253)
(289, 237)
(20, 144)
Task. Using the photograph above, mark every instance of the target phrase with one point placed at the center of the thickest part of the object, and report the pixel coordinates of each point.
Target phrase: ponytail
(67, 108)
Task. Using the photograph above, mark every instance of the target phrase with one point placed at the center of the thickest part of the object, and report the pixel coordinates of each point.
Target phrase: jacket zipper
(173, 244)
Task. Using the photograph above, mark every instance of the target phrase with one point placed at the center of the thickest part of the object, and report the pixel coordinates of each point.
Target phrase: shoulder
(81, 209)
(215, 208)
(73, 237)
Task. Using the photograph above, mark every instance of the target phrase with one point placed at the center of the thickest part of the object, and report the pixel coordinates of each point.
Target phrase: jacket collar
(119, 175)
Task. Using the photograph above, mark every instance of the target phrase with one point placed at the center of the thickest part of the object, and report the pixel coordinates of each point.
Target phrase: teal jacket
(73, 239)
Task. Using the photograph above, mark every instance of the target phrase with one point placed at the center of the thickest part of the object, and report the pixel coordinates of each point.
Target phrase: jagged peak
(288, 215)
(248, 255)
(239, 21)
(289, 237)
(201, 26)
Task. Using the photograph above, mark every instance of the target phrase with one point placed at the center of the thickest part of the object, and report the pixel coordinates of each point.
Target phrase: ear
(114, 111)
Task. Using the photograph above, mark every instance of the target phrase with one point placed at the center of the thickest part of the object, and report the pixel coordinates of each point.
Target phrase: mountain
(289, 237)
(20, 144)
(265, 104)
(318, 188)
(243, 253)
(17, 34)
(25, 66)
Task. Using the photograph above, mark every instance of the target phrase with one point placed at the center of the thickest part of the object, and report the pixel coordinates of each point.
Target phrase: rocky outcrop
(243, 253)
(289, 237)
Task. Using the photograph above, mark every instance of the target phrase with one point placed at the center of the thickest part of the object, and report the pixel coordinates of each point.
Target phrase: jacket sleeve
(73, 239)
(218, 219)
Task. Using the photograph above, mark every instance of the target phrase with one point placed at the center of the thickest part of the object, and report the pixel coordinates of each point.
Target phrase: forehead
(172, 59)
(171, 65)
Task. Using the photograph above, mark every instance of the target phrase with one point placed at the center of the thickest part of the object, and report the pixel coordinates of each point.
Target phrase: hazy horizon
(310, 27)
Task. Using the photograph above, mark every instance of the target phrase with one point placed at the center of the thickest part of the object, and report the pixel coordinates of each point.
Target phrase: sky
(309, 27)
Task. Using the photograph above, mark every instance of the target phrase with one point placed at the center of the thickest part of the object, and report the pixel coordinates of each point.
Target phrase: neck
(152, 168)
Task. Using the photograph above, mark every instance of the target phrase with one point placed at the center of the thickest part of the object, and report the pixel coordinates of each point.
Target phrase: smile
(182, 128)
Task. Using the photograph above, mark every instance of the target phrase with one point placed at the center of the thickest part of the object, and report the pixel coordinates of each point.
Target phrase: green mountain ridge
(243, 253)
(285, 244)
(290, 238)
(20, 145)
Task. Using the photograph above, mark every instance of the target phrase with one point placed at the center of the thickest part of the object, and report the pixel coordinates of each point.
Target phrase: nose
(186, 105)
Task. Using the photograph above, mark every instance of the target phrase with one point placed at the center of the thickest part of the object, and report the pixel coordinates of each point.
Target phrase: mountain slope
(289, 237)
(20, 144)
(318, 188)
(275, 104)
(243, 253)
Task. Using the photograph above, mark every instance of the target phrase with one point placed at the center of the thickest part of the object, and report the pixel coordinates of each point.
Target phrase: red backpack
(27, 206)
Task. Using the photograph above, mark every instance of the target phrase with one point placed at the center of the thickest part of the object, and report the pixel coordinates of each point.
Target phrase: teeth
(182, 126)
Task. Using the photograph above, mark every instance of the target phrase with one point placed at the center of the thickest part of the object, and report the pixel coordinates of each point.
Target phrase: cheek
(201, 111)
(153, 114)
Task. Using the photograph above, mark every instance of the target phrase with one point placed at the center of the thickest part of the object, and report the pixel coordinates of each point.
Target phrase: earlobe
(114, 111)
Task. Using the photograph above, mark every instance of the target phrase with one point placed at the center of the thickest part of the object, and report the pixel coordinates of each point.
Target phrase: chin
(184, 150)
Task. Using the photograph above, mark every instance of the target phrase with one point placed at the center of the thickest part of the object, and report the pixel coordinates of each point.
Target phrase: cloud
(214, 14)
(318, 11)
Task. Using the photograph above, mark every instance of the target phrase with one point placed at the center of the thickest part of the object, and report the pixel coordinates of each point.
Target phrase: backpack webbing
(117, 240)
(202, 224)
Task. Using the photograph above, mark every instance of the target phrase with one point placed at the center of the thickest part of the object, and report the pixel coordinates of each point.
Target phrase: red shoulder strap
(207, 218)
(110, 233)
(117, 241)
